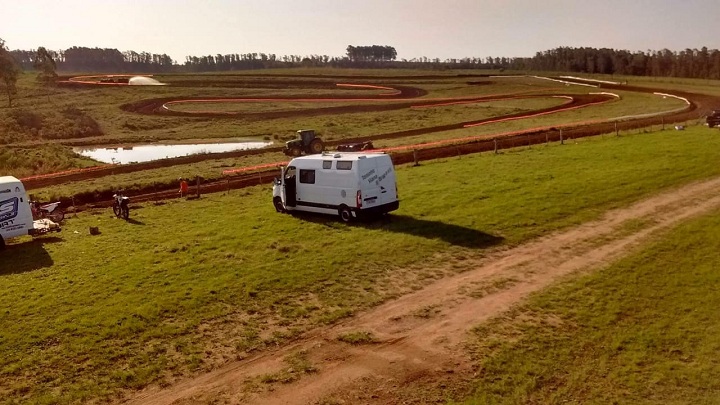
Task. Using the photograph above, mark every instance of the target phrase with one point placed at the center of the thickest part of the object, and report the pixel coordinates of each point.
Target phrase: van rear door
(387, 192)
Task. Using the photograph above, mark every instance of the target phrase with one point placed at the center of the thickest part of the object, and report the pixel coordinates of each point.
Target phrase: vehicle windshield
(290, 173)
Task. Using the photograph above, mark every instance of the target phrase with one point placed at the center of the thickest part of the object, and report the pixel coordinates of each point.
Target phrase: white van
(15, 214)
(351, 185)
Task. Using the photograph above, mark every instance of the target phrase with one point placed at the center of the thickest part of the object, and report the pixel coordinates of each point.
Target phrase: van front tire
(345, 214)
(2, 243)
(277, 202)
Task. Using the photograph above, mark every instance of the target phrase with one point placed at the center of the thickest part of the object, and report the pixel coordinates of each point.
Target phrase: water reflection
(146, 153)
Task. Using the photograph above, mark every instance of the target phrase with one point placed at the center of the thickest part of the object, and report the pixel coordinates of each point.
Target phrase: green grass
(297, 365)
(357, 338)
(643, 331)
(188, 285)
(25, 161)
(382, 122)
(702, 86)
(130, 182)
(102, 105)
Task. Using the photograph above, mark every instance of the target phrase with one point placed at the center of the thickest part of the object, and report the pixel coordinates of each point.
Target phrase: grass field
(643, 331)
(702, 86)
(188, 285)
(84, 116)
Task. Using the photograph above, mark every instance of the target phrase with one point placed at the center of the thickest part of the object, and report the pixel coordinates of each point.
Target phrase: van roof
(342, 155)
(8, 179)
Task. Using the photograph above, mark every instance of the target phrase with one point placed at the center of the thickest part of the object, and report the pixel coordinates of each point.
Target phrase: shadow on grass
(27, 256)
(450, 233)
(134, 221)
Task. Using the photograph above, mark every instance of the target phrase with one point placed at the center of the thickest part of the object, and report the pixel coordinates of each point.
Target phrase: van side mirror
(277, 181)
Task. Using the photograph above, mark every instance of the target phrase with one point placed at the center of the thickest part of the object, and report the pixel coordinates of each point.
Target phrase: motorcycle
(121, 206)
(50, 211)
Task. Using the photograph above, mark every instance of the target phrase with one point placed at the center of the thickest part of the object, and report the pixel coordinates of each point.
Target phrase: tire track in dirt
(420, 358)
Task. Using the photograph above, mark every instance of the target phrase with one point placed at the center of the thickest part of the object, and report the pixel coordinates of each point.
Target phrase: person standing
(183, 187)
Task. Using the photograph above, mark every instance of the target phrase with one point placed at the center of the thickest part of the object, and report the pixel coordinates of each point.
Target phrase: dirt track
(420, 359)
(699, 105)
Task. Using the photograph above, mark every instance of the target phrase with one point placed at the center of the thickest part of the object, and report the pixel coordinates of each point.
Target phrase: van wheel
(2, 243)
(345, 214)
(277, 202)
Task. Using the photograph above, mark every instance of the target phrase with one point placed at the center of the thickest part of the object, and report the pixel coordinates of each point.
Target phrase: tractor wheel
(295, 151)
(316, 146)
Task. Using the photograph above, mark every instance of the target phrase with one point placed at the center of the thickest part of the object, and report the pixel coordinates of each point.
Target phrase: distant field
(43, 116)
(702, 86)
(383, 122)
(188, 285)
(643, 331)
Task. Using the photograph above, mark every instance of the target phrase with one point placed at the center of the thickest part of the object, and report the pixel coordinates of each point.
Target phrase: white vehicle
(351, 185)
(16, 217)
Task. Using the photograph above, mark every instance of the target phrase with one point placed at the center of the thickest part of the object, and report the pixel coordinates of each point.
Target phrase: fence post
(547, 138)
(663, 123)
(561, 138)
(617, 131)
(227, 184)
(197, 186)
(495, 143)
(415, 158)
(528, 139)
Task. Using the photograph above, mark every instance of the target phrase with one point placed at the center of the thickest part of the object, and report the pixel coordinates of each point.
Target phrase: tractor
(306, 143)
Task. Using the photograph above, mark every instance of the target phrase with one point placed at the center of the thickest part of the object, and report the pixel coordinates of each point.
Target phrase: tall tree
(45, 66)
(8, 72)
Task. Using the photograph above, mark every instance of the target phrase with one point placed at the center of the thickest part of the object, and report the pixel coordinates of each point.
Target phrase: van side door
(290, 186)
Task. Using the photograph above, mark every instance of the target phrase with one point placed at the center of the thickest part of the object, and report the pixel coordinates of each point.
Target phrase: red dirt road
(419, 357)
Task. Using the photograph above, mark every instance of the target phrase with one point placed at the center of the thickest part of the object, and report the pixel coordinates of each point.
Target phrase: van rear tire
(345, 214)
(2, 243)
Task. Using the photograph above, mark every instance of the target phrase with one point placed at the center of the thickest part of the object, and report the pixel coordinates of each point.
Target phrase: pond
(147, 153)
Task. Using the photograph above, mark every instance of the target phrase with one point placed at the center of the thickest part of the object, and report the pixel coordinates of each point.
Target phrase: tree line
(79, 59)
(112, 60)
(700, 63)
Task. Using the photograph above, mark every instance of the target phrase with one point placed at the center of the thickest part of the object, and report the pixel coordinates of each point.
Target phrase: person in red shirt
(183, 187)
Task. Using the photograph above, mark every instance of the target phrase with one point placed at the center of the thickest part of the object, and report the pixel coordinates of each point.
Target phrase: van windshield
(290, 173)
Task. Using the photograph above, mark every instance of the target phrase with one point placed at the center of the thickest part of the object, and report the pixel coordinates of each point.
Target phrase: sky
(416, 28)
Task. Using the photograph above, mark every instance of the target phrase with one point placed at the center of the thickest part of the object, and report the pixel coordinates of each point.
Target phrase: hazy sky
(432, 28)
